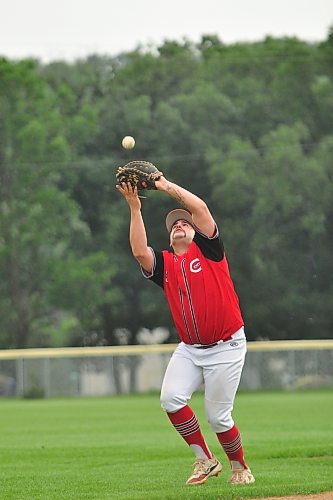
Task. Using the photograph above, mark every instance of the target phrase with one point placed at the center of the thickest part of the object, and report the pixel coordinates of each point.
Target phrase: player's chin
(179, 233)
(178, 236)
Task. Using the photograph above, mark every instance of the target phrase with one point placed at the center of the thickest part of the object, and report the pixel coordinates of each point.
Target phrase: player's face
(181, 231)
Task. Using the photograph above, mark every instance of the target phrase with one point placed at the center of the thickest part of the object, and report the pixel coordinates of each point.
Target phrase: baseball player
(205, 309)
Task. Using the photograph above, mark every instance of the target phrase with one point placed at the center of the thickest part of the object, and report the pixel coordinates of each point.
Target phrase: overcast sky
(70, 29)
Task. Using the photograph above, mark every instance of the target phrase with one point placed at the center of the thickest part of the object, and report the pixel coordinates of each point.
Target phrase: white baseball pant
(218, 369)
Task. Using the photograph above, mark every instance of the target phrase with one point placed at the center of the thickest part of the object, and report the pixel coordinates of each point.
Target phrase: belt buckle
(208, 346)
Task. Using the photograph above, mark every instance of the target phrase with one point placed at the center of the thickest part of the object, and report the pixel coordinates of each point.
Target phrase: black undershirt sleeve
(212, 248)
(158, 276)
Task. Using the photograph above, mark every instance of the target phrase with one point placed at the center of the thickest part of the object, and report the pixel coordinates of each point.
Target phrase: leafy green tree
(289, 217)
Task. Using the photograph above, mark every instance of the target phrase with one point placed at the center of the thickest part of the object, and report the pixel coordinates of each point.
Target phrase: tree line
(246, 126)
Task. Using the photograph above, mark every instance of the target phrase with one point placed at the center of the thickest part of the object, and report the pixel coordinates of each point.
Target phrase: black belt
(207, 346)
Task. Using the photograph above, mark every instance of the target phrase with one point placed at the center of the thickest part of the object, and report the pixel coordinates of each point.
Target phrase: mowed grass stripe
(125, 447)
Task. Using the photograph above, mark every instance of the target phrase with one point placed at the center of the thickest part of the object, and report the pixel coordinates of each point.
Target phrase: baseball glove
(142, 174)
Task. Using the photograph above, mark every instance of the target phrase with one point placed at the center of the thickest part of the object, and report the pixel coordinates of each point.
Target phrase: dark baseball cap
(178, 214)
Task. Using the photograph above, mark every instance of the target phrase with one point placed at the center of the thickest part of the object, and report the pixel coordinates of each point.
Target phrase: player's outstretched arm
(138, 235)
(201, 215)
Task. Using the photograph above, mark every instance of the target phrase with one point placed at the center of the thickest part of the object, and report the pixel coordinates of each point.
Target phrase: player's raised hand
(130, 194)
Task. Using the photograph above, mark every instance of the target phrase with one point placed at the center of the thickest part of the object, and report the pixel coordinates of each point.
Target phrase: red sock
(232, 444)
(186, 423)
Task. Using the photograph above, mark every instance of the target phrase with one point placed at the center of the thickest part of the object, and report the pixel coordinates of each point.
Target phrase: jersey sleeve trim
(157, 272)
(215, 235)
(145, 273)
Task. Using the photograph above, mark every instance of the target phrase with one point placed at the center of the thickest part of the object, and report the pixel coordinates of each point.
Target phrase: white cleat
(203, 469)
(241, 476)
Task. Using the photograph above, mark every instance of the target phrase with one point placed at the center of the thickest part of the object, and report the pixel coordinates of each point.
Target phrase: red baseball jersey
(199, 290)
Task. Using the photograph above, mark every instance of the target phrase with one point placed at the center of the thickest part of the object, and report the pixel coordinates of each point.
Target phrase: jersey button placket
(183, 297)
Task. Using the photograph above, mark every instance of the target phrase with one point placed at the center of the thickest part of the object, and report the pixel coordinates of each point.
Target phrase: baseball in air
(128, 142)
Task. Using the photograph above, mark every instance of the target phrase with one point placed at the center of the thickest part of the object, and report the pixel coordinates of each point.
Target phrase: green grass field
(125, 447)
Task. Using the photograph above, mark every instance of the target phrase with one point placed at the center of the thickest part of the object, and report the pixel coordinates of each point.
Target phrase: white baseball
(128, 142)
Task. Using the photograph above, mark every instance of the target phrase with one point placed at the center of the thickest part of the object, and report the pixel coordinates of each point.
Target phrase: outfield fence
(108, 370)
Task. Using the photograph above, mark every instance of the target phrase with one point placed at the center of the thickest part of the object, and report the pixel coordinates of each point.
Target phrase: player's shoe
(241, 476)
(204, 468)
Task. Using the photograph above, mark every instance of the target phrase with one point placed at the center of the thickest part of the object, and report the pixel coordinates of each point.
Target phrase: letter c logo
(195, 266)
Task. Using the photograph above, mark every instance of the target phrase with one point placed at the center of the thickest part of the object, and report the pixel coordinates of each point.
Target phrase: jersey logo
(233, 344)
(195, 266)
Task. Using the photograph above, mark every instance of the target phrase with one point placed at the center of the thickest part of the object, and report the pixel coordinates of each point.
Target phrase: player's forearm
(187, 199)
(138, 236)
